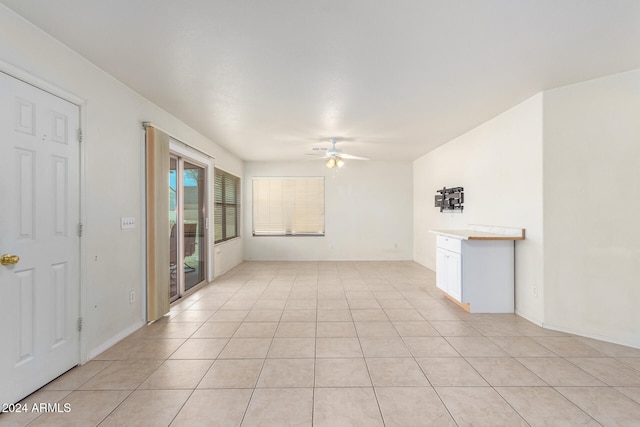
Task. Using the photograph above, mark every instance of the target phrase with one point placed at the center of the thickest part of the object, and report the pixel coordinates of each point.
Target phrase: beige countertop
(478, 235)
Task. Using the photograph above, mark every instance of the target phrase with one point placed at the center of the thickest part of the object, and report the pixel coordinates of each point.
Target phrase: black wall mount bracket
(450, 199)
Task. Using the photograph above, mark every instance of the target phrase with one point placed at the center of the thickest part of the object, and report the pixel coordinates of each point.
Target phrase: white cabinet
(454, 276)
(478, 274)
(441, 280)
(448, 277)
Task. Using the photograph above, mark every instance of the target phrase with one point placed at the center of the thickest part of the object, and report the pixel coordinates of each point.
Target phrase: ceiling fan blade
(350, 157)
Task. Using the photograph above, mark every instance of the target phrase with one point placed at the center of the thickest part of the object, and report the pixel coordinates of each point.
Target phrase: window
(227, 206)
(288, 206)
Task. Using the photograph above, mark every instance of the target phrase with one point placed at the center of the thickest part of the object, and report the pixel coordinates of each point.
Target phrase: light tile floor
(343, 344)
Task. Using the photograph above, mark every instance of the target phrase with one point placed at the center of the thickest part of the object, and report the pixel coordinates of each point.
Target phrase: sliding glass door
(187, 219)
(173, 228)
(194, 224)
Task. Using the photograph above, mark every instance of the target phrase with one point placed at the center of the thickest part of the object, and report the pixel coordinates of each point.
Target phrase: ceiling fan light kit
(331, 163)
(335, 161)
(336, 157)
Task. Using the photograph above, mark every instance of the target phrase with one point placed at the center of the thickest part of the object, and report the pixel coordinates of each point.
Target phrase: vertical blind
(227, 206)
(288, 206)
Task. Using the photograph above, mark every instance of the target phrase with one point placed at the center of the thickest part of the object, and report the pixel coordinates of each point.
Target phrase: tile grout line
(356, 277)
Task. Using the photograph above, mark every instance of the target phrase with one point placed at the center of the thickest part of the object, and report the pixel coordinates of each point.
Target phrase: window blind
(288, 206)
(226, 216)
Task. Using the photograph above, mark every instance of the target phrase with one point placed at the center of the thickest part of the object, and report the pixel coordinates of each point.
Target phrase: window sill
(289, 235)
(227, 241)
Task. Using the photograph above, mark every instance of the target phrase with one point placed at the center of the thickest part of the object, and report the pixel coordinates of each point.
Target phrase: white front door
(39, 216)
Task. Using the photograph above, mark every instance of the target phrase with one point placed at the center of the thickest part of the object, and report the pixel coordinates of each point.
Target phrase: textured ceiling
(271, 79)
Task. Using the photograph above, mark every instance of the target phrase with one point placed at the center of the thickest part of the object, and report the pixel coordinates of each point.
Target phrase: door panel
(441, 274)
(39, 213)
(174, 266)
(194, 214)
(59, 300)
(454, 280)
(59, 211)
(25, 317)
(187, 213)
(26, 181)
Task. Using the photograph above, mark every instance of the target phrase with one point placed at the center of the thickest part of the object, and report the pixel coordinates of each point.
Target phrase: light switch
(127, 222)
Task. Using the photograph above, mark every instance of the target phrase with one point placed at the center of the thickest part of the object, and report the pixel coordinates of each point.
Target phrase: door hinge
(79, 324)
(80, 229)
(79, 135)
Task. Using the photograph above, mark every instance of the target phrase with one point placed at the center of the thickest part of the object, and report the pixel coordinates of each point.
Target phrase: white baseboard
(530, 319)
(113, 340)
(578, 332)
(598, 337)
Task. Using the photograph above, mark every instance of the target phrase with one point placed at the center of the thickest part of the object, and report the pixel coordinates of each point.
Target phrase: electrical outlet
(132, 297)
(535, 291)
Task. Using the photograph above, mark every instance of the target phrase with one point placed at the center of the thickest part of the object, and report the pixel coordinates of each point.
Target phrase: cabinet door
(441, 269)
(454, 275)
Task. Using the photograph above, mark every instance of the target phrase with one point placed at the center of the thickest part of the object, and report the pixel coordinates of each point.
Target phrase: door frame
(81, 103)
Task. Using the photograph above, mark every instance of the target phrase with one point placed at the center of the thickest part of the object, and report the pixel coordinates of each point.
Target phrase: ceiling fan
(335, 157)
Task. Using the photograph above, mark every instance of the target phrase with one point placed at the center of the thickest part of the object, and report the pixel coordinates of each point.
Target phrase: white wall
(591, 208)
(112, 259)
(367, 213)
(499, 164)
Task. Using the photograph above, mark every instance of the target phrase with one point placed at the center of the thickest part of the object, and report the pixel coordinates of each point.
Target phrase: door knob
(7, 259)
